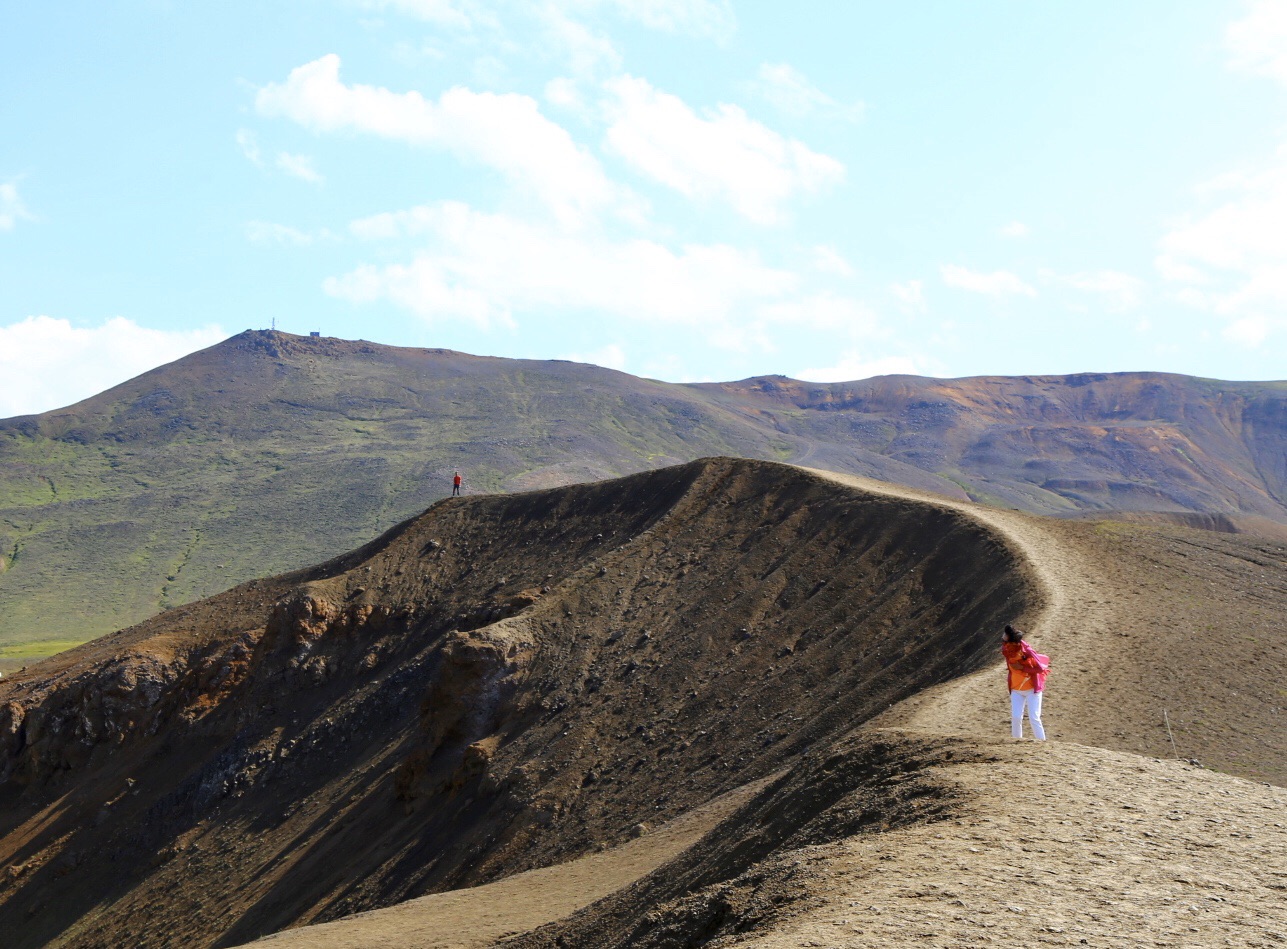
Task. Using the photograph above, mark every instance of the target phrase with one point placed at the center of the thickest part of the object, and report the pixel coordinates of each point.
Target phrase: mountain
(513, 682)
(268, 452)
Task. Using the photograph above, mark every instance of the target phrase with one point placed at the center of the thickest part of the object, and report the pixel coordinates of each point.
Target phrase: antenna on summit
(274, 324)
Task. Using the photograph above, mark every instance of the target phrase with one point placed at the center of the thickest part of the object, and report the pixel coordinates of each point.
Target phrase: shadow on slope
(499, 684)
(749, 873)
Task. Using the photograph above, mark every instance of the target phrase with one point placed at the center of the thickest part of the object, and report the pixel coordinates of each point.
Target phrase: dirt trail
(1074, 617)
(480, 916)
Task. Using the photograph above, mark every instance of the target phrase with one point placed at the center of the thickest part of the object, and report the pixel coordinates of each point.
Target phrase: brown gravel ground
(1108, 835)
(1061, 845)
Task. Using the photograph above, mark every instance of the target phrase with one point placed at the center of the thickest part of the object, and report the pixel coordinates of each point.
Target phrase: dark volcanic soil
(500, 684)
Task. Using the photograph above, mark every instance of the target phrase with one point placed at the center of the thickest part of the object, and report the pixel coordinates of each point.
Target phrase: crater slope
(937, 832)
(501, 684)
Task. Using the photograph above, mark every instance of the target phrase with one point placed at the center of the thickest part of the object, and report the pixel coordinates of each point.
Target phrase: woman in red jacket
(1027, 670)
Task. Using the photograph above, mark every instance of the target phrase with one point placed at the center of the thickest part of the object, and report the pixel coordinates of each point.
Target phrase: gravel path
(1074, 619)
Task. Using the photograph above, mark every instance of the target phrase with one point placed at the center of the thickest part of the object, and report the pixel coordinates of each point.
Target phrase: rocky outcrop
(469, 698)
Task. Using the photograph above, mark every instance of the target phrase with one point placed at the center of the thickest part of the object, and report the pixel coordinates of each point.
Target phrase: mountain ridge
(270, 451)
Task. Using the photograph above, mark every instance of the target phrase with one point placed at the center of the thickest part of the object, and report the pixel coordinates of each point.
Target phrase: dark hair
(1012, 634)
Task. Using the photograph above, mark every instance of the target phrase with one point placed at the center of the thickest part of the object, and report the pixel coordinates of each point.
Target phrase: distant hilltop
(269, 451)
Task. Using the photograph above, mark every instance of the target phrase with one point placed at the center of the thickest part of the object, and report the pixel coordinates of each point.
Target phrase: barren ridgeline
(509, 683)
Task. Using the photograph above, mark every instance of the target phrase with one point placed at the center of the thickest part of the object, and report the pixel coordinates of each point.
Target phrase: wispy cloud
(998, 283)
(722, 155)
(829, 260)
(1228, 256)
(1119, 291)
(911, 294)
(1014, 229)
(299, 166)
(710, 18)
(790, 91)
(449, 13)
(588, 52)
(1231, 257)
(574, 31)
(266, 232)
(12, 210)
(249, 145)
(1257, 43)
(47, 363)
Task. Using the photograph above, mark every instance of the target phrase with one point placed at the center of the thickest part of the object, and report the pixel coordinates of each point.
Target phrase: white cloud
(566, 94)
(1235, 250)
(1193, 297)
(911, 294)
(999, 283)
(1173, 270)
(249, 146)
(570, 30)
(486, 268)
(820, 311)
(1119, 291)
(12, 210)
(829, 260)
(610, 357)
(712, 18)
(1014, 229)
(789, 90)
(722, 155)
(853, 366)
(585, 50)
(1229, 257)
(449, 13)
(506, 132)
(1258, 42)
(266, 232)
(47, 363)
(299, 166)
(1250, 331)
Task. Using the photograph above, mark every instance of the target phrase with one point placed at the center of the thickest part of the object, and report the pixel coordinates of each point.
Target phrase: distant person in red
(1026, 669)
(455, 485)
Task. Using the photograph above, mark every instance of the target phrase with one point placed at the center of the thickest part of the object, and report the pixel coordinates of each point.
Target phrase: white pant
(1018, 699)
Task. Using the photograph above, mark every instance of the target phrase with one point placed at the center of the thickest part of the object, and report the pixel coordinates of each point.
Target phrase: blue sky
(682, 189)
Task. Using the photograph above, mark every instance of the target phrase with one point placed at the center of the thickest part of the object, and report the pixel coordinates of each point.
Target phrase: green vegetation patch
(37, 649)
